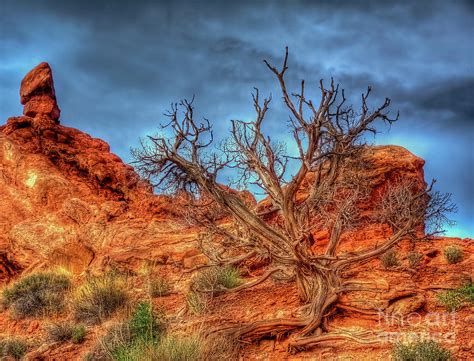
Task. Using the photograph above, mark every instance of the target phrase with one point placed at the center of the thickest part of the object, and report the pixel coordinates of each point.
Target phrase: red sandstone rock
(38, 81)
(37, 93)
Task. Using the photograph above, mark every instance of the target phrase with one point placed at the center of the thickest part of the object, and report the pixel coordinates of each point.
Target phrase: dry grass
(37, 294)
(13, 348)
(99, 298)
(390, 259)
(216, 279)
(158, 287)
(66, 331)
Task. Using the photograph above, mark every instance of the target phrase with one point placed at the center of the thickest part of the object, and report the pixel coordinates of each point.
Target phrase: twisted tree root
(364, 337)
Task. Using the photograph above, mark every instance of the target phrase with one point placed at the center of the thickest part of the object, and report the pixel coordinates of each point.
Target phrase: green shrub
(390, 259)
(13, 347)
(229, 277)
(216, 279)
(37, 294)
(458, 298)
(138, 350)
(421, 351)
(99, 298)
(467, 291)
(78, 334)
(158, 287)
(178, 348)
(196, 303)
(146, 322)
(453, 254)
(134, 339)
(414, 259)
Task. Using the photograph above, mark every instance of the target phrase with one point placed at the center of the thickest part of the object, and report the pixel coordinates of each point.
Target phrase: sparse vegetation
(147, 322)
(158, 287)
(134, 339)
(414, 259)
(78, 334)
(196, 302)
(37, 294)
(118, 336)
(66, 331)
(60, 332)
(457, 298)
(453, 254)
(13, 347)
(179, 348)
(421, 351)
(216, 279)
(389, 259)
(99, 298)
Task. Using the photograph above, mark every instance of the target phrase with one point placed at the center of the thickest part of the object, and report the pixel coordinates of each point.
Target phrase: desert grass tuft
(37, 294)
(216, 279)
(13, 348)
(389, 259)
(133, 339)
(414, 259)
(99, 298)
(158, 287)
(196, 303)
(453, 254)
(66, 331)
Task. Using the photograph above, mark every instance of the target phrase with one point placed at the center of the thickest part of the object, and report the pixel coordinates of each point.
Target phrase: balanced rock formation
(38, 95)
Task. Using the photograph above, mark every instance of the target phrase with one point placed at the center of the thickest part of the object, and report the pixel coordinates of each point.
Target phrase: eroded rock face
(65, 198)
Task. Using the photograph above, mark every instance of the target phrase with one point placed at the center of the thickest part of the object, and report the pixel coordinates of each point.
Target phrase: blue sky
(119, 64)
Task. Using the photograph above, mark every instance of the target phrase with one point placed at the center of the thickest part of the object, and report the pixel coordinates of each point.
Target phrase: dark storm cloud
(119, 64)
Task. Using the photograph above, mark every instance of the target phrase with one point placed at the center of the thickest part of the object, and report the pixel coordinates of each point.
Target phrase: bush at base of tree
(414, 259)
(215, 279)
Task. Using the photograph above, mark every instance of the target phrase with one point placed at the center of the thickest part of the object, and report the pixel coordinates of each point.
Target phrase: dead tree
(329, 138)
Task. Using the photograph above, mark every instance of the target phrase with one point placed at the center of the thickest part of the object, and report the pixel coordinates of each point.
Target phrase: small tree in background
(329, 138)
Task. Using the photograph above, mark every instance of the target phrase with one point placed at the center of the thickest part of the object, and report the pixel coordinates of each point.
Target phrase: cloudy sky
(119, 64)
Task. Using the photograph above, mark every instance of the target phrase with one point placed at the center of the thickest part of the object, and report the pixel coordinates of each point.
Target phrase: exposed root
(259, 329)
(364, 337)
